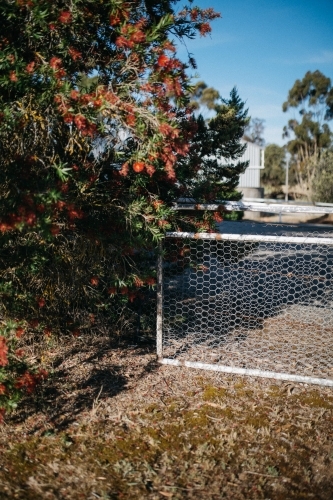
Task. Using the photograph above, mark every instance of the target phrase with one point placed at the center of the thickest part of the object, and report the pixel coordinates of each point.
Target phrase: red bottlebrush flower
(40, 208)
(64, 187)
(30, 218)
(150, 169)
(54, 229)
(74, 95)
(131, 120)
(162, 223)
(74, 213)
(86, 98)
(150, 280)
(218, 217)
(21, 210)
(60, 204)
(4, 227)
(65, 17)
(27, 381)
(30, 67)
(112, 290)
(111, 97)
(60, 73)
(47, 332)
(41, 301)
(157, 203)
(13, 76)
(122, 42)
(19, 332)
(138, 166)
(204, 29)
(162, 61)
(3, 352)
(128, 107)
(90, 130)
(33, 323)
(52, 27)
(115, 20)
(75, 54)
(58, 99)
(124, 290)
(19, 353)
(98, 103)
(42, 374)
(80, 121)
(132, 296)
(138, 282)
(169, 46)
(94, 280)
(55, 63)
(2, 390)
(194, 14)
(138, 37)
(93, 178)
(165, 129)
(177, 88)
(68, 118)
(124, 169)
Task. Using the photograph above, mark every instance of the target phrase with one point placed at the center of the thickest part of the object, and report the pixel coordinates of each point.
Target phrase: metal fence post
(159, 305)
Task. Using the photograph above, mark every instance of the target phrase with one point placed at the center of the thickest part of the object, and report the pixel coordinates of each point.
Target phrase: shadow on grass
(84, 374)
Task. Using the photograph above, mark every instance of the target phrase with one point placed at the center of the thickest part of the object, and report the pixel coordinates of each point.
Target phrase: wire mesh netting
(254, 301)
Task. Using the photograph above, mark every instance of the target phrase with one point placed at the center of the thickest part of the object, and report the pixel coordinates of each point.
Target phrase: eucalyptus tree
(308, 131)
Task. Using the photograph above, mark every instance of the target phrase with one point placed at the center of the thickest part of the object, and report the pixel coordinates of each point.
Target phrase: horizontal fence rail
(289, 202)
(274, 208)
(251, 304)
(247, 371)
(251, 237)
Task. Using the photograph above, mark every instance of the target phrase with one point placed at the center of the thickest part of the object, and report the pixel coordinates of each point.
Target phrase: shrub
(323, 180)
(94, 122)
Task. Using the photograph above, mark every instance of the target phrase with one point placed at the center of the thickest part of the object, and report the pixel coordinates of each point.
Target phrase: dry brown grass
(113, 424)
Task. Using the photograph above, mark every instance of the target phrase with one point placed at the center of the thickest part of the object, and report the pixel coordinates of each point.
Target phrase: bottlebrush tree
(94, 120)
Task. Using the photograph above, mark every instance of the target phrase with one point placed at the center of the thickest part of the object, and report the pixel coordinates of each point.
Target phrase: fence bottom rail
(247, 371)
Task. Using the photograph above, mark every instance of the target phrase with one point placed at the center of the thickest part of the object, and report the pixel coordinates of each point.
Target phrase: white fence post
(159, 304)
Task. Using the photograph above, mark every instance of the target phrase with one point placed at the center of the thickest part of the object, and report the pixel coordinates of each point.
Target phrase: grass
(138, 430)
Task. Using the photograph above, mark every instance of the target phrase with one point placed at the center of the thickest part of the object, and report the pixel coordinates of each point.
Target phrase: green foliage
(97, 139)
(274, 172)
(310, 135)
(323, 180)
(313, 93)
(204, 96)
(214, 153)
(16, 376)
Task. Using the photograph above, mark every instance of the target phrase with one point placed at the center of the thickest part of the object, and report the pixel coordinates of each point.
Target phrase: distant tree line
(309, 142)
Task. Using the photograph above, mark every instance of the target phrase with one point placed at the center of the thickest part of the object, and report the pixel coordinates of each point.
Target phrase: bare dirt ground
(112, 423)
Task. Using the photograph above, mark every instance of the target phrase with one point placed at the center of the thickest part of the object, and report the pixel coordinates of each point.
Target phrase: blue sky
(262, 47)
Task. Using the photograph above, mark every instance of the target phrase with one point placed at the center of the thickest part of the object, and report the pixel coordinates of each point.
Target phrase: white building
(250, 179)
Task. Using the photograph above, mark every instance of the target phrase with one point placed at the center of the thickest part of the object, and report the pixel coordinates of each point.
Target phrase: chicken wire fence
(256, 304)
